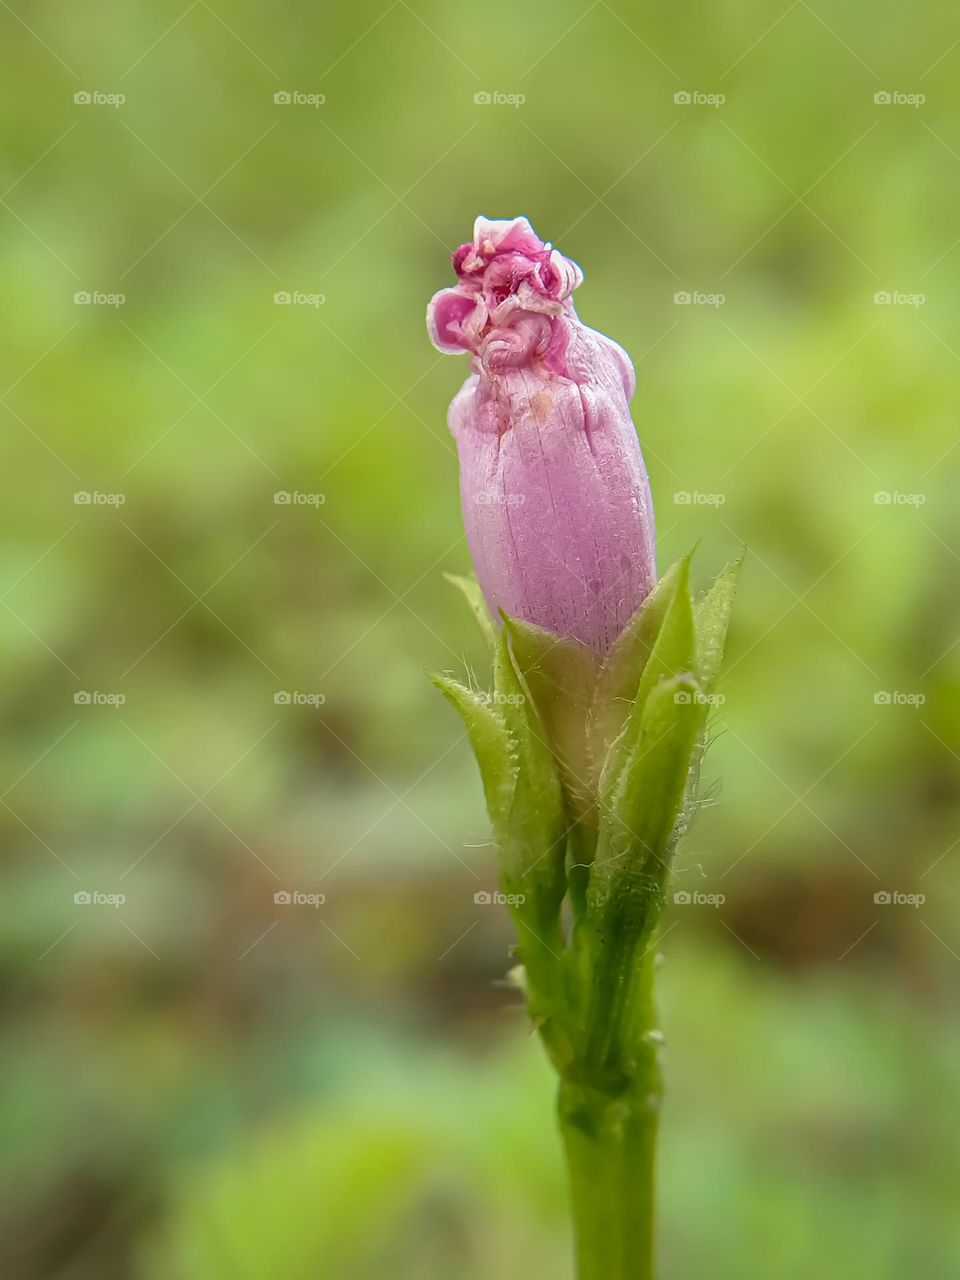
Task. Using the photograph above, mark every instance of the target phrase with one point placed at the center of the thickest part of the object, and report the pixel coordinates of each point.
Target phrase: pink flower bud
(556, 501)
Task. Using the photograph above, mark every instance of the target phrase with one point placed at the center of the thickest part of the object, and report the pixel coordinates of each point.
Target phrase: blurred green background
(202, 1083)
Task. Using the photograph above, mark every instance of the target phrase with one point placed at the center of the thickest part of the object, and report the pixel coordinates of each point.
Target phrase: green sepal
(628, 879)
(532, 855)
(491, 745)
(617, 681)
(537, 821)
(561, 674)
(673, 652)
(712, 620)
(640, 817)
(588, 775)
(526, 808)
(478, 606)
(520, 783)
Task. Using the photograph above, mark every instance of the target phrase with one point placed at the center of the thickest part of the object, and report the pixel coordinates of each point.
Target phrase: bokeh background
(203, 1083)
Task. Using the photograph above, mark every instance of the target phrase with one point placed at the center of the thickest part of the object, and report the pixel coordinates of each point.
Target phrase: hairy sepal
(470, 589)
(561, 676)
(712, 616)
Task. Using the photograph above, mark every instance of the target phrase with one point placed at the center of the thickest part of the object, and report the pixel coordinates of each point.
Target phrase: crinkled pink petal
(446, 313)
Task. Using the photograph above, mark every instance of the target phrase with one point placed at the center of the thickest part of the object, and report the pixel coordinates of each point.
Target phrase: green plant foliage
(589, 994)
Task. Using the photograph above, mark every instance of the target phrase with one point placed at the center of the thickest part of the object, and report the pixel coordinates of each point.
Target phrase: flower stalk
(590, 740)
(610, 1144)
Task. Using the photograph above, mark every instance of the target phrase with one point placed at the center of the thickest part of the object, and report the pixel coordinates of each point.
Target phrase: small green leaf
(478, 607)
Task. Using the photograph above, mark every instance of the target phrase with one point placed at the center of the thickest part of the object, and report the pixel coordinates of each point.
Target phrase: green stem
(610, 1146)
(608, 1121)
